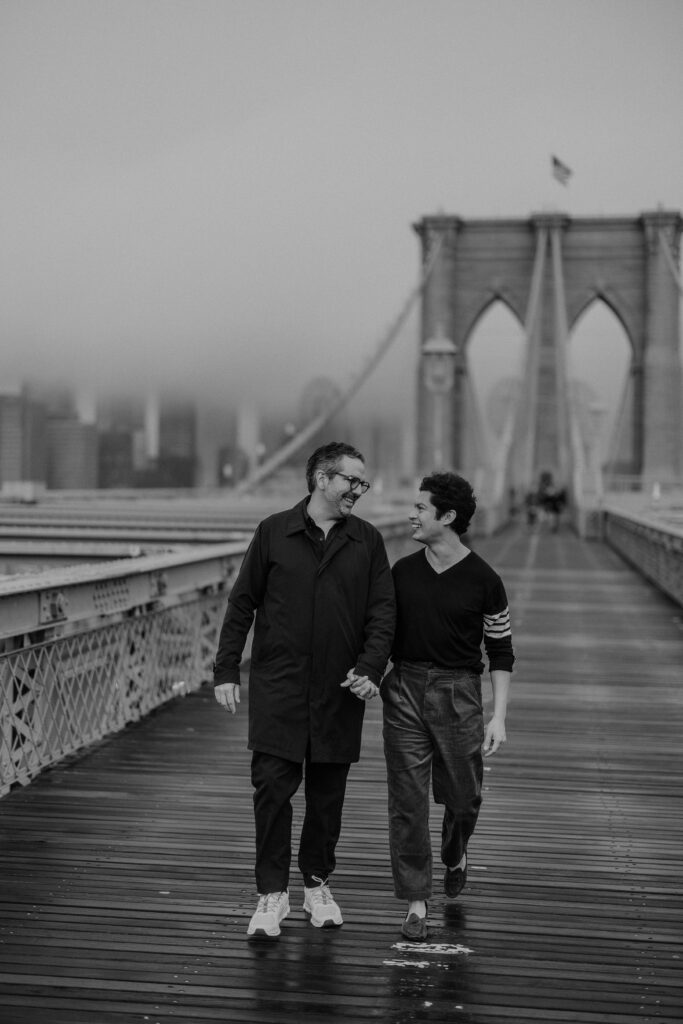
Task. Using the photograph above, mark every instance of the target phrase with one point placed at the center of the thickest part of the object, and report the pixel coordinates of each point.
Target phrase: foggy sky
(217, 196)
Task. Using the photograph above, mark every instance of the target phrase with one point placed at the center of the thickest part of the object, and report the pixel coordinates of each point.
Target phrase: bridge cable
(564, 416)
(566, 407)
(512, 423)
(618, 432)
(530, 370)
(310, 429)
(670, 260)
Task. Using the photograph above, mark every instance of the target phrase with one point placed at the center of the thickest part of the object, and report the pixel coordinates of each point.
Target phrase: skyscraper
(72, 454)
(22, 437)
(177, 463)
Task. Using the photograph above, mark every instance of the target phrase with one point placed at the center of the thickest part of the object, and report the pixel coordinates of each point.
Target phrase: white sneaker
(320, 904)
(272, 908)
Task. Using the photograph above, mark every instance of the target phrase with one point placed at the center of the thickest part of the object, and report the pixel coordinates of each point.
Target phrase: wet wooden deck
(126, 880)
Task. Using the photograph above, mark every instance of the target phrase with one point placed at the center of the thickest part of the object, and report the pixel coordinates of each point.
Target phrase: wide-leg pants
(433, 731)
(275, 781)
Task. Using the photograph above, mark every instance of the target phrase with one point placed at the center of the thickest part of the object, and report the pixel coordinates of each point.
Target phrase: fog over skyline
(216, 196)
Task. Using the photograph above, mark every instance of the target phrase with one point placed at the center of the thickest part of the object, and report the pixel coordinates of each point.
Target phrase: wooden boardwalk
(126, 875)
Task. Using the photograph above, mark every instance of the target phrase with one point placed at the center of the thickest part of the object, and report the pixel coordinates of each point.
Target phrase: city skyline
(57, 439)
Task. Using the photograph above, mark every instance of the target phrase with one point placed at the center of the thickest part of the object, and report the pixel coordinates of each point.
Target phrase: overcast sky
(217, 195)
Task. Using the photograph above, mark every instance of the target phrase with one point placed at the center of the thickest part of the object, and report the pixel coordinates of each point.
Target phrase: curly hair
(449, 491)
(327, 458)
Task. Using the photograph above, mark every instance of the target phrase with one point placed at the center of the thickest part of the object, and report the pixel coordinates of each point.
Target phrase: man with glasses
(318, 580)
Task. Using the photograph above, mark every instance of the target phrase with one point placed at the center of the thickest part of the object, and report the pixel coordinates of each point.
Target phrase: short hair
(327, 458)
(449, 491)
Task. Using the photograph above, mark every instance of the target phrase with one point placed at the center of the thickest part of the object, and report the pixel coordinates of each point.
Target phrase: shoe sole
(327, 923)
(261, 935)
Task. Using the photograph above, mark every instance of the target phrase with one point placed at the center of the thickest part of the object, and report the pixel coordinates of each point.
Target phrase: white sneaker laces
(268, 903)
(321, 895)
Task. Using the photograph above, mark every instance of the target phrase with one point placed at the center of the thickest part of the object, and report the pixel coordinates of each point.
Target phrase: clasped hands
(228, 694)
(360, 686)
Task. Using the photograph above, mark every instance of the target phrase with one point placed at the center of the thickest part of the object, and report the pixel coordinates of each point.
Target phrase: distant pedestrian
(531, 508)
(448, 601)
(553, 500)
(318, 580)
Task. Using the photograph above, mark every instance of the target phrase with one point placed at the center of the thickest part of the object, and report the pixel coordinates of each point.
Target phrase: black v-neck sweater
(444, 617)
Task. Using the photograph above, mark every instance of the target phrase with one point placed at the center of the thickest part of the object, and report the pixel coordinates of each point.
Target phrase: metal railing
(621, 483)
(86, 650)
(654, 549)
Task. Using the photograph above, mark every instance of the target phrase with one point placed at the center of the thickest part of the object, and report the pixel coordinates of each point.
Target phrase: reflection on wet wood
(126, 880)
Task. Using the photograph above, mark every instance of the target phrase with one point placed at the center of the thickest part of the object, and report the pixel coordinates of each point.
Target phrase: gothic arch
(599, 341)
(599, 298)
(487, 304)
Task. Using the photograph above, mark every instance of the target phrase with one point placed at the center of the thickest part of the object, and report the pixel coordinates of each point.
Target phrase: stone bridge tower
(548, 270)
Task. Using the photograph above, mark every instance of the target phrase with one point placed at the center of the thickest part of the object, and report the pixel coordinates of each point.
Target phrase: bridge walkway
(126, 881)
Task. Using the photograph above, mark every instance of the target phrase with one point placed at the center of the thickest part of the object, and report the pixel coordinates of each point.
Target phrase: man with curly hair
(448, 600)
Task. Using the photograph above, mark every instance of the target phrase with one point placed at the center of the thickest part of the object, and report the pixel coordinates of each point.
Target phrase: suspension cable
(566, 412)
(533, 353)
(292, 446)
(515, 409)
(620, 424)
(670, 260)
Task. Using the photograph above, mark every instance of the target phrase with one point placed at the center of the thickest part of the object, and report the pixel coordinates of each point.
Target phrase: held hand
(228, 696)
(360, 686)
(493, 737)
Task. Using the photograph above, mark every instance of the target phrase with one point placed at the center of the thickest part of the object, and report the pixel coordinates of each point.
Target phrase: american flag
(560, 170)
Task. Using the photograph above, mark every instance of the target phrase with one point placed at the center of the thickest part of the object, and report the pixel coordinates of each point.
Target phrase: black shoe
(414, 928)
(454, 881)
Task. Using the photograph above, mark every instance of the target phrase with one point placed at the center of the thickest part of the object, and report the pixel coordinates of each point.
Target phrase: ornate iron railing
(654, 549)
(62, 694)
(86, 650)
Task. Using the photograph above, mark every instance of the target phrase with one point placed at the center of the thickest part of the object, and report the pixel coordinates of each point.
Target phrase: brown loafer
(414, 928)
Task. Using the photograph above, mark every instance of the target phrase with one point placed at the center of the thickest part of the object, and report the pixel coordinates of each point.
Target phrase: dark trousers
(433, 731)
(275, 781)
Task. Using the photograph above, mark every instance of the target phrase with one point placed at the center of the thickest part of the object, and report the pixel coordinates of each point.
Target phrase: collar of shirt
(315, 532)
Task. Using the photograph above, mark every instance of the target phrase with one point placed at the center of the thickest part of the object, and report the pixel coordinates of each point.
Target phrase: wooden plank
(126, 877)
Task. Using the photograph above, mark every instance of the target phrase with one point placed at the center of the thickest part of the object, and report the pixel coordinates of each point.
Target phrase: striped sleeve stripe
(498, 625)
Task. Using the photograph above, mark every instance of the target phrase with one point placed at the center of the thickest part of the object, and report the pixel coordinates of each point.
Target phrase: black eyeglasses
(353, 481)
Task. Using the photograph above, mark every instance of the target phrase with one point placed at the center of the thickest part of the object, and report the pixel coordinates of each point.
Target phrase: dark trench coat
(315, 620)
